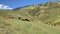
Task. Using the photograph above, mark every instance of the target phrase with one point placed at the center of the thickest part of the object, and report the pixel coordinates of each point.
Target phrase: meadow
(31, 19)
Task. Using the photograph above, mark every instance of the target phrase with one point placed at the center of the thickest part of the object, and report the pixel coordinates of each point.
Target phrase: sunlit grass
(14, 26)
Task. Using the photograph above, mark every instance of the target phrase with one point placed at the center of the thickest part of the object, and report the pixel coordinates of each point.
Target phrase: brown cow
(9, 17)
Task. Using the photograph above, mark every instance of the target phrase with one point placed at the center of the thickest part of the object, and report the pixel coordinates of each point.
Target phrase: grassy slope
(15, 26)
(12, 26)
(47, 12)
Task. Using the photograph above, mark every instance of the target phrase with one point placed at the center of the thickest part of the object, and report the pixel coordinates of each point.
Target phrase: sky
(19, 3)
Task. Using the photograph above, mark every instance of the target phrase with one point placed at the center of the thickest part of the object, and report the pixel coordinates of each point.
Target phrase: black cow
(25, 20)
(19, 17)
(12, 17)
(54, 24)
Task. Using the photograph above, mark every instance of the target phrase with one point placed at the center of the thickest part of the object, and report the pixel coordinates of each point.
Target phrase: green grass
(13, 26)
(51, 14)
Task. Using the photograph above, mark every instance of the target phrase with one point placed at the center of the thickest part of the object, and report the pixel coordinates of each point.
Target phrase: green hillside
(32, 19)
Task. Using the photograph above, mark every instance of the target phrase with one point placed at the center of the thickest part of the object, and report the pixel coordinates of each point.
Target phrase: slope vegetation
(31, 19)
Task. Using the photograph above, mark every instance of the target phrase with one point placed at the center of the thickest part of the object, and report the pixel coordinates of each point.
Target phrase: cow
(53, 24)
(19, 17)
(25, 20)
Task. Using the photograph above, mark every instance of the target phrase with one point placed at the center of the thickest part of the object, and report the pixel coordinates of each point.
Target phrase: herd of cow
(50, 23)
(9, 17)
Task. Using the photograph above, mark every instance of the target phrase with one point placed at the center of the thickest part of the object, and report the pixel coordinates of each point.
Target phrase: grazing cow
(54, 24)
(12, 17)
(19, 17)
(23, 19)
(7, 17)
(27, 20)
